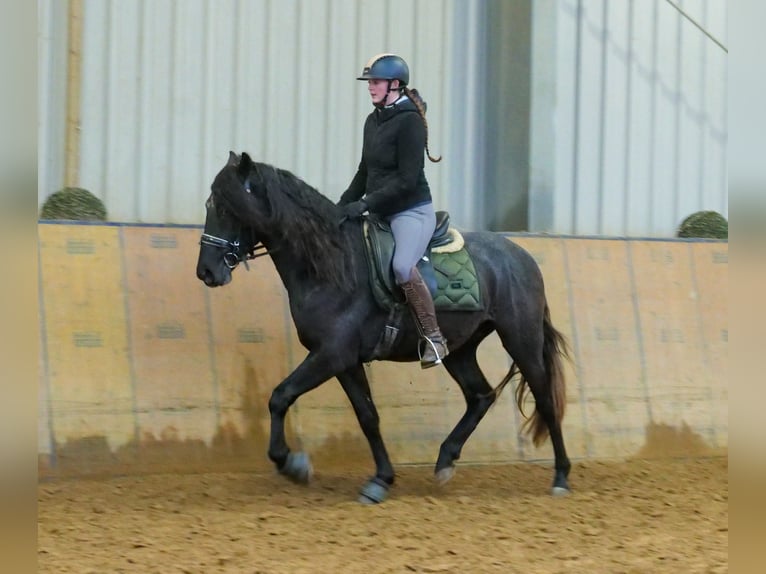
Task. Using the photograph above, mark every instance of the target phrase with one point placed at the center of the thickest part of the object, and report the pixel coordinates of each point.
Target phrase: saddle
(446, 267)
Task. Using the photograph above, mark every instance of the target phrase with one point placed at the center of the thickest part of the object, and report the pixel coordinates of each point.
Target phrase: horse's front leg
(357, 388)
(311, 373)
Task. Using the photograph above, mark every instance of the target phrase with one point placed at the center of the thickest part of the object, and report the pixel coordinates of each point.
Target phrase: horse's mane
(288, 208)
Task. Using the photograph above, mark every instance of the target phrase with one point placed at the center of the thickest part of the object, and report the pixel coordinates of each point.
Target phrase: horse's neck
(295, 272)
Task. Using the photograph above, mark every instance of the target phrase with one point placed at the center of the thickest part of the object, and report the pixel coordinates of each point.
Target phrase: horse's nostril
(206, 276)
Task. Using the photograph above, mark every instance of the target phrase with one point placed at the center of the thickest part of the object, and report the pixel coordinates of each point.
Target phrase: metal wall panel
(170, 86)
(640, 140)
(51, 77)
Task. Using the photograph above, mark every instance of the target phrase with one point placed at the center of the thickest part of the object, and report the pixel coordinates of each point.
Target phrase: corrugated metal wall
(568, 116)
(170, 86)
(641, 128)
(52, 82)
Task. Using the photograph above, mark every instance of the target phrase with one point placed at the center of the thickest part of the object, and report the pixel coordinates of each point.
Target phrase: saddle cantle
(446, 267)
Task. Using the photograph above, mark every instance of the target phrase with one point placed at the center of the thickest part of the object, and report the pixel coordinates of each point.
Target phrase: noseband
(233, 257)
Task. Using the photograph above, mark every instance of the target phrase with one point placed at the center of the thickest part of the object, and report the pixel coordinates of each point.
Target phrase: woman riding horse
(390, 182)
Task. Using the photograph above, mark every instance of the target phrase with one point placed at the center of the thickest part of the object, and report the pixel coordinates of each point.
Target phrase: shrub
(73, 203)
(705, 224)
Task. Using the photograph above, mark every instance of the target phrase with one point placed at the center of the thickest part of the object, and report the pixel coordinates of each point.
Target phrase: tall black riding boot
(422, 306)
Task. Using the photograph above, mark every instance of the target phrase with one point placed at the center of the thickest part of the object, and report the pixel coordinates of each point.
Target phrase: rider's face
(378, 90)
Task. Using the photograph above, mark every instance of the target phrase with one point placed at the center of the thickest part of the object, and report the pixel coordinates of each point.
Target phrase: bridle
(233, 256)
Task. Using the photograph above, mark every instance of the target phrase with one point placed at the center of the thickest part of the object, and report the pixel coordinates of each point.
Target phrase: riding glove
(353, 210)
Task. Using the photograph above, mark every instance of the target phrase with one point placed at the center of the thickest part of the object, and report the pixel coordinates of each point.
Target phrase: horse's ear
(233, 159)
(245, 166)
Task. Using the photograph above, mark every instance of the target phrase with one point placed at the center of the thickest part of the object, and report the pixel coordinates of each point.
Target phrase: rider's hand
(353, 210)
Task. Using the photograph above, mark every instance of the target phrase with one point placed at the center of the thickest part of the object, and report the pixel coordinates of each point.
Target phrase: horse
(256, 209)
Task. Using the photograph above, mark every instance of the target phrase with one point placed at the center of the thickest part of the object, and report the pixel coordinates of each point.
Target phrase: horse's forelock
(229, 193)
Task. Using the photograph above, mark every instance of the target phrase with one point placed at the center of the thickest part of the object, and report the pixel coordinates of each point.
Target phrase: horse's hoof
(298, 468)
(374, 492)
(444, 475)
(560, 483)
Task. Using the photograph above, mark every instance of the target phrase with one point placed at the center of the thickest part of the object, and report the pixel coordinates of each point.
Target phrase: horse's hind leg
(464, 368)
(527, 352)
(539, 384)
(357, 388)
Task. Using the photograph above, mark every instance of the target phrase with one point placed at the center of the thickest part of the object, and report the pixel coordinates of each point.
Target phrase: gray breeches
(412, 231)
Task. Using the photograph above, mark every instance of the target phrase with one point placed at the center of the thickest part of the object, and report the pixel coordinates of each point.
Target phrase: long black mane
(284, 207)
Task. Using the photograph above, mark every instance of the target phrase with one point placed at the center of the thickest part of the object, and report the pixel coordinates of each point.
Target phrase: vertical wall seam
(576, 347)
(171, 106)
(653, 123)
(703, 113)
(235, 81)
(129, 336)
(299, 71)
(214, 378)
(208, 53)
(628, 120)
(705, 343)
(106, 93)
(677, 124)
(266, 94)
(602, 115)
(639, 332)
(140, 88)
(325, 118)
(724, 171)
(576, 130)
(443, 184)
(53, 460)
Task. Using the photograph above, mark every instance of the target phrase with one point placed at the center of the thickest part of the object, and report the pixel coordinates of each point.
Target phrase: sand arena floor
(632, 517)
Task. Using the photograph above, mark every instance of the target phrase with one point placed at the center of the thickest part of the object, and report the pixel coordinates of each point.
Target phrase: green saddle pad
(457, 283)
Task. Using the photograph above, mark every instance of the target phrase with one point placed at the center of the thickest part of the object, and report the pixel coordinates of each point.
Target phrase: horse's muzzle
(207, 277)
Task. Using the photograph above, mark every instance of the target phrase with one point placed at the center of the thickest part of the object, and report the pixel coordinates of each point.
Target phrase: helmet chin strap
(384, 102)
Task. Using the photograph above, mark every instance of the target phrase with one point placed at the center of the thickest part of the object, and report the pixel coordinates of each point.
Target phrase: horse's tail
(554, 348)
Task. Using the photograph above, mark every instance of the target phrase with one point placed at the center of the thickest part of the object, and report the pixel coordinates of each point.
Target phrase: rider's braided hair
(414, 95)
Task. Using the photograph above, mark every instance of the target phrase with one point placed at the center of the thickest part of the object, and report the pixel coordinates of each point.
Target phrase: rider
(390, 182)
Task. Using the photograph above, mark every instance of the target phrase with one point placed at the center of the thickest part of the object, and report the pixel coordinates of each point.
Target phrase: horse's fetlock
(279, 458)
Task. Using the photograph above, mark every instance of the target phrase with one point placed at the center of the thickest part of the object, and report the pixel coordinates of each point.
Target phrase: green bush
(704, 224)
(73, 203)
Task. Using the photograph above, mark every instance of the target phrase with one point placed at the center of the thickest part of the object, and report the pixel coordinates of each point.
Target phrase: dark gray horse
(323, 267)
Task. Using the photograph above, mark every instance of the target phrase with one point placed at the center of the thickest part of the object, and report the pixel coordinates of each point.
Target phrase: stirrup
(438, 361)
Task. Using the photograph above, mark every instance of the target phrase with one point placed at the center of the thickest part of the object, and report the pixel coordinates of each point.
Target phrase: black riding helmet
(386, 67)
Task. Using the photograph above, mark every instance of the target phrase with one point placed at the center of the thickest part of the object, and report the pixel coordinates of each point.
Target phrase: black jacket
(390, 176)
